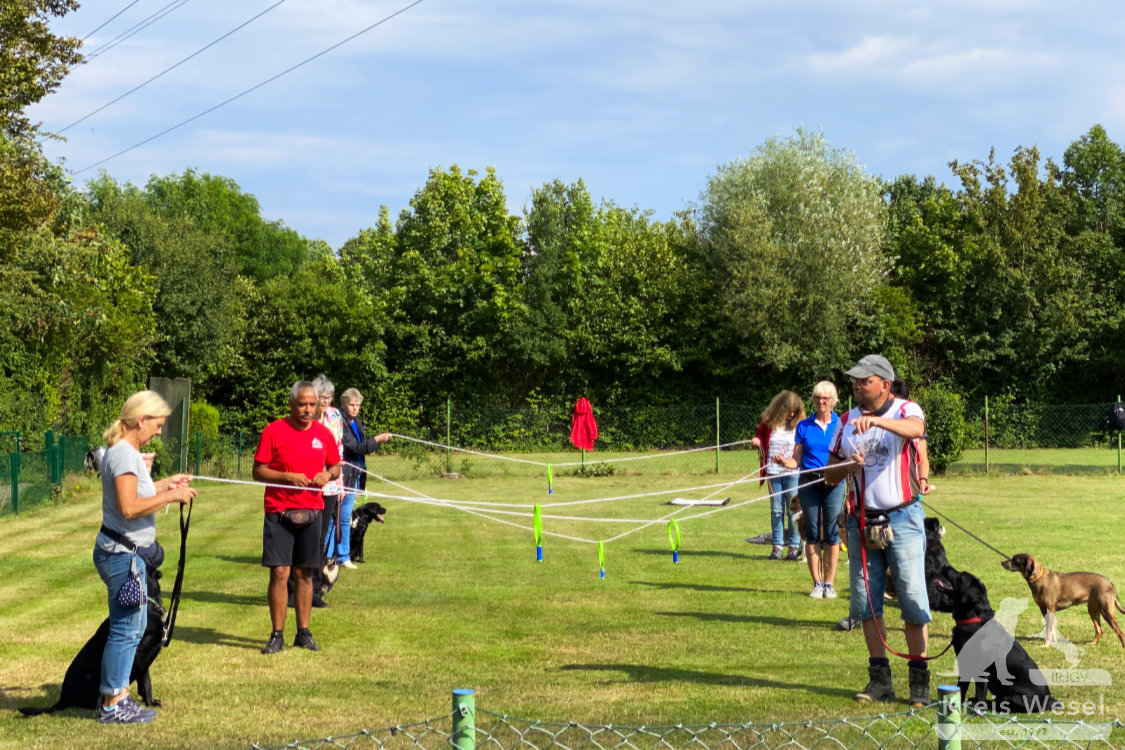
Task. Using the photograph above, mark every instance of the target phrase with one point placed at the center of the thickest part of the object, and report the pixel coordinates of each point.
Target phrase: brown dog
(1053, 591)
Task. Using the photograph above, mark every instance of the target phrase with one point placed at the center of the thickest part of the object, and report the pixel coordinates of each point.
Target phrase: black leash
(177, 587)
(974, 536)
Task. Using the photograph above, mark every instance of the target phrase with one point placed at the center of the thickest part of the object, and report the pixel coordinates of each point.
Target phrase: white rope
(500, 457)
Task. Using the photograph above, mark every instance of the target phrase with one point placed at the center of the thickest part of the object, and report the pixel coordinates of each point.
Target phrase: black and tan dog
(80, 685)
(988, 653)
(363, 516)
(1054, 591)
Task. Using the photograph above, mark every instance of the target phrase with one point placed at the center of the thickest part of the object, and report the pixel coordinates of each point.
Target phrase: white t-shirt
(890, 473)
(782, 441)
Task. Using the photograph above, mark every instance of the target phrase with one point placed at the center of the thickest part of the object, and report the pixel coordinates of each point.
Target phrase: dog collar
(970, 621)
(1036, 578)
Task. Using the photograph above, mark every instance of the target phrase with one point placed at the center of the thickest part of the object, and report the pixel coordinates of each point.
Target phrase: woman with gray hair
(356, 448)
(821, 502)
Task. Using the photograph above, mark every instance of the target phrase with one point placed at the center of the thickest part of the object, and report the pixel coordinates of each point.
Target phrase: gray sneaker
(126, 711)
(829, 591)
(848, 624)
(817, 590)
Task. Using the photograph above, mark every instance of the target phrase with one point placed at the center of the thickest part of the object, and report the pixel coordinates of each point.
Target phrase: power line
(111, 18)
(172, 67)
(137, 27)
(252, 88)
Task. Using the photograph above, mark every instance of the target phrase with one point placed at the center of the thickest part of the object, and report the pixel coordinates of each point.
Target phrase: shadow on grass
(240, 559)
(685, 553)
(648, 673)
(710, 588)
(785, 622)
(214, 597)
(212, 637)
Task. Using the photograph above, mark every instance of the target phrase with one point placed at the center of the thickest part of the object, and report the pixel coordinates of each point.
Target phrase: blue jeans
(126, 624)
(782, 490)
(342, 551)
(820, 502)
(906, 559)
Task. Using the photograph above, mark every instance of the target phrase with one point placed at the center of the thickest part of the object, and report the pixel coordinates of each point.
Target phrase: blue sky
(641, 99)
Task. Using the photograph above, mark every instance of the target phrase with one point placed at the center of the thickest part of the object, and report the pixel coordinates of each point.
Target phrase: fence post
(448, 434)
(1119, 442)
(986, 434)
(238, 475)
(15, 460)
(949, 718)
(718, 442)
(464, 734)
(60, 458)
(49, 454)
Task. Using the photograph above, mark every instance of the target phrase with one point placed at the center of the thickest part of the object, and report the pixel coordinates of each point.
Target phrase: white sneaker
(349, 565)
(817, 590)
(829, 591)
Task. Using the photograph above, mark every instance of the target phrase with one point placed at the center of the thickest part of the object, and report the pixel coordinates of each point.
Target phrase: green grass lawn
(451, 600)
(1039, 460)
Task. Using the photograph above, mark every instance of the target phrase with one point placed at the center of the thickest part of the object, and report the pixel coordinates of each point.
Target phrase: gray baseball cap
(870, 365)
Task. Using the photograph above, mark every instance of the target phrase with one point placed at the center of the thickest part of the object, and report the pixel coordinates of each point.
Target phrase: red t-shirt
(285, 448)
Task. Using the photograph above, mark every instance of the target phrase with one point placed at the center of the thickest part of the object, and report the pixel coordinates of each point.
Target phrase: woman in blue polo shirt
(821, 503)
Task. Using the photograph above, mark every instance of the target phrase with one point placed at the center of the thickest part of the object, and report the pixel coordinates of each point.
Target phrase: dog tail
(1117, 602)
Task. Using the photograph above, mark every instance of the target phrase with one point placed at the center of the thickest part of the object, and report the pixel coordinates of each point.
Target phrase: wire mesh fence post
(718, 442)
(464, 734)
(49, 455)
(239, 466)
(949, 718)
(15, 463)
(448, 434)
(986, 434)
(1118, 442)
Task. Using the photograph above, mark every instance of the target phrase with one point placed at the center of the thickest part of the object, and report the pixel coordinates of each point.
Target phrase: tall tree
(33, 61)
(793, 238)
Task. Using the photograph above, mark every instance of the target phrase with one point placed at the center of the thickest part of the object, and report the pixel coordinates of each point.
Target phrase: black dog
(989, 655)
(361, 519)
(80, 686)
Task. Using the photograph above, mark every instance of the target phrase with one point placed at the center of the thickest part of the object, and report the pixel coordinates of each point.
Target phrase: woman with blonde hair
(774, 441)
(127, 539)
(821, 503)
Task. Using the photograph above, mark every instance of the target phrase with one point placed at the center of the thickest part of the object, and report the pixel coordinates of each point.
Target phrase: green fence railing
(31, 478)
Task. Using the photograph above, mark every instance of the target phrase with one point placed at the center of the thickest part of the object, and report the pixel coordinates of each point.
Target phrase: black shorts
(283, 544)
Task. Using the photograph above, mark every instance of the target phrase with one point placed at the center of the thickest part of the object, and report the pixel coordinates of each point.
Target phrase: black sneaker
(126, 711)
(319, 603)
(304, 639)
(275, 643)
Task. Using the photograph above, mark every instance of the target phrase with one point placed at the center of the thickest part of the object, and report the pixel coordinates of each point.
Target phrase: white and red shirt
(889, 476)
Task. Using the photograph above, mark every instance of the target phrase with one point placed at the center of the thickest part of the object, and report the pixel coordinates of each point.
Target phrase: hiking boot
(275, 643)
(919, 686)
(776, 554)
(304, 639)
(319, 603)
(829, 591)
(817, 590)
(126, 711)
(794, 553)
(879, 687)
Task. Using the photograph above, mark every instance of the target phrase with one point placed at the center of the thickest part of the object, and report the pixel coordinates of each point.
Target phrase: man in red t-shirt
(301, 452)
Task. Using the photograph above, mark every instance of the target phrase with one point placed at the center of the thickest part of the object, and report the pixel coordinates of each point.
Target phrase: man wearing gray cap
(874, 448)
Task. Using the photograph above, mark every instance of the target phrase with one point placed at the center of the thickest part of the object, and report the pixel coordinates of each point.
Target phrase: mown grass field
(449, 599)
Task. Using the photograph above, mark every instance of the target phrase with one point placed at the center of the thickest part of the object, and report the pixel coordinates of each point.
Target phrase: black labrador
(362, 517)
(83, 676)
(936, 562)
(990, 656)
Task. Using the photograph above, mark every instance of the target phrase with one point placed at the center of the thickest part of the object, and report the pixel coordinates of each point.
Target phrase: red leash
(871, 605)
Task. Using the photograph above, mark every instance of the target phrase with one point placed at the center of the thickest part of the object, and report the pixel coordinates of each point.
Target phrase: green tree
(793, 239)
(33, 61)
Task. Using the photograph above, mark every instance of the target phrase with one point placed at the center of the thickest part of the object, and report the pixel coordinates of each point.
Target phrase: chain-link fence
(30, 478)
(938, 726)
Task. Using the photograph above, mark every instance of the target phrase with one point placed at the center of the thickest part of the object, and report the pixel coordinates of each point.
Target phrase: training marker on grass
(601, 558)
(674, 539)
(537, 524)
(550, 478)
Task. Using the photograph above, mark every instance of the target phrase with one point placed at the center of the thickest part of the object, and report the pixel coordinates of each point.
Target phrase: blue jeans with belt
(782, 490)
(905, 558)
(126, 624)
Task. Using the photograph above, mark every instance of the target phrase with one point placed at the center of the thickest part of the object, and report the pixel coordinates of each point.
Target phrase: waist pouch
(877, 531)
(300, 517)
(152, 554)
